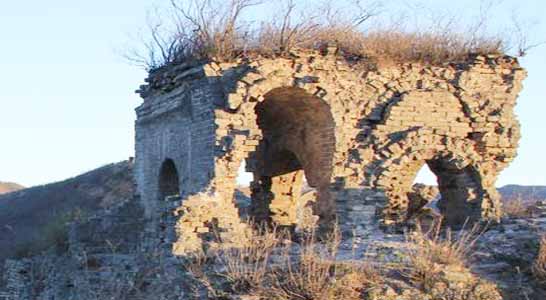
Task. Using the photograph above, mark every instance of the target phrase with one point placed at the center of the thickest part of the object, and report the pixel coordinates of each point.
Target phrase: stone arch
(461, 191)
(457, 169)
(459, 183)
(297, 137)
(237, 131)
(168, 182)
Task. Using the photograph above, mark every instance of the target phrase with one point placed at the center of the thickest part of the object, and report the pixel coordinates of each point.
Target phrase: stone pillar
(286, 191)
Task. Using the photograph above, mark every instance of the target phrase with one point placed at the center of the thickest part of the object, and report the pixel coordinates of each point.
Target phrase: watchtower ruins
(357, 135)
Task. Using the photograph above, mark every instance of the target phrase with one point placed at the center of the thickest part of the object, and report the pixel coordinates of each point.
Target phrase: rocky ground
(102, 256)
(103, 260)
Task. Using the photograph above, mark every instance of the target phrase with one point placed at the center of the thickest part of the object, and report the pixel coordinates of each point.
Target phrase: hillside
(32, 220)
(37, 214)
(8, 187)
(527, 193)
(46, 207)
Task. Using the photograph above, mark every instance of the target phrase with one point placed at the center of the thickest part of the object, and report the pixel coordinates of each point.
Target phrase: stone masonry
(355, 135)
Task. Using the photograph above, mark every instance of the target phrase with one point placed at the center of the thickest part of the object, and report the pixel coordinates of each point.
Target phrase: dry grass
(515, 208)
(247, 267)
(430, 252)
(316, 273)
(213, 29)
(539, 265)
(273, 267)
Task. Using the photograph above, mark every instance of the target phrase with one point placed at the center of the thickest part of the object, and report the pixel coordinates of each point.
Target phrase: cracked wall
(357, 136)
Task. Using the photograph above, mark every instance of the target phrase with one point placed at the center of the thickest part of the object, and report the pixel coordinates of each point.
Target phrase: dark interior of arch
(460, 190)
(298, 138)
(168, 180)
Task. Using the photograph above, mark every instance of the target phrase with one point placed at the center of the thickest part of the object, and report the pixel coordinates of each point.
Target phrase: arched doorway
(169, 184)
(460, 189)
(298, 140)
(423, 193)
(297, 146)
(459, 184)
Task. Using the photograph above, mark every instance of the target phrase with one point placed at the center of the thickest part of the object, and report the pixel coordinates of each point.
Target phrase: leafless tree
(520, 39)
(200, 28)
(328, 22)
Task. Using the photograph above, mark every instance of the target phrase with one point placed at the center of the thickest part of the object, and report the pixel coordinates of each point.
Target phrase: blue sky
(67, 96)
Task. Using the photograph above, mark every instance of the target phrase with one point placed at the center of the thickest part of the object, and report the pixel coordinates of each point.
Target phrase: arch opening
(169, 184)
(423, 193)
(457, 195)
(242, 190)
(461, 192)
(296, 150)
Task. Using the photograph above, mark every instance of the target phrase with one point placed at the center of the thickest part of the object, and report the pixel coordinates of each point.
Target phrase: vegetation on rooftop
(223, 31)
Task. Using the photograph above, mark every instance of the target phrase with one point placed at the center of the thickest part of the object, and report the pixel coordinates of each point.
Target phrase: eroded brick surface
(358, 137)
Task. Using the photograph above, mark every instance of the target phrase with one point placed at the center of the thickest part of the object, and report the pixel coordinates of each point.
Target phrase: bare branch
(219, 30)
(522, 37)
(365, 13)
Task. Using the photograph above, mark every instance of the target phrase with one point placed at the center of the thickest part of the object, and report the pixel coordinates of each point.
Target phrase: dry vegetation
(8, 187)
(53, 236)
(515, 208)
(539, 266)
(222, 30)
(274, 267)
(431, 252)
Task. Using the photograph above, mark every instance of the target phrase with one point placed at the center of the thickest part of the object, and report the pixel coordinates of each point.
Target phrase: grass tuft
(431, 252)
(274, 267)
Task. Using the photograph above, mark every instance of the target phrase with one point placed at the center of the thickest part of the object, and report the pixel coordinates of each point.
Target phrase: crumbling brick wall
(359, 136)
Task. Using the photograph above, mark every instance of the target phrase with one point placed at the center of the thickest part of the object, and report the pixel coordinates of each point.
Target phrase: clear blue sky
(67, 96)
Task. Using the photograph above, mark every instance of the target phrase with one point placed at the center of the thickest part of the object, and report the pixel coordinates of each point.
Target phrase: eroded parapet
(359, 136)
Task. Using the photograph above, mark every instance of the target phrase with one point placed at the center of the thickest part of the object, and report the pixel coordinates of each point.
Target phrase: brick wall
(359, 135)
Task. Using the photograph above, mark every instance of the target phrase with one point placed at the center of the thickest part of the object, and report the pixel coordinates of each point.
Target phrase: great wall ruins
(358, 136)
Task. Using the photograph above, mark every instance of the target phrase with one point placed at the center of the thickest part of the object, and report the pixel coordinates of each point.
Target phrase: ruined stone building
(357, 135)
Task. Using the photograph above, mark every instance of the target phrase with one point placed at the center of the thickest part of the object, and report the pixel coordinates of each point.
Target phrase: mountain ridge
(8, 187)
(525, 193)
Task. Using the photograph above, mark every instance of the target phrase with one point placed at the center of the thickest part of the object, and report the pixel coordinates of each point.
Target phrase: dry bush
(443, 41)
(246, 267)
(52, 236)
(243, 268)
(195, 30)
(515, 208)
(273, 267)
(316, 273)
(430, 252)
(214, 29)
(539, 265)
